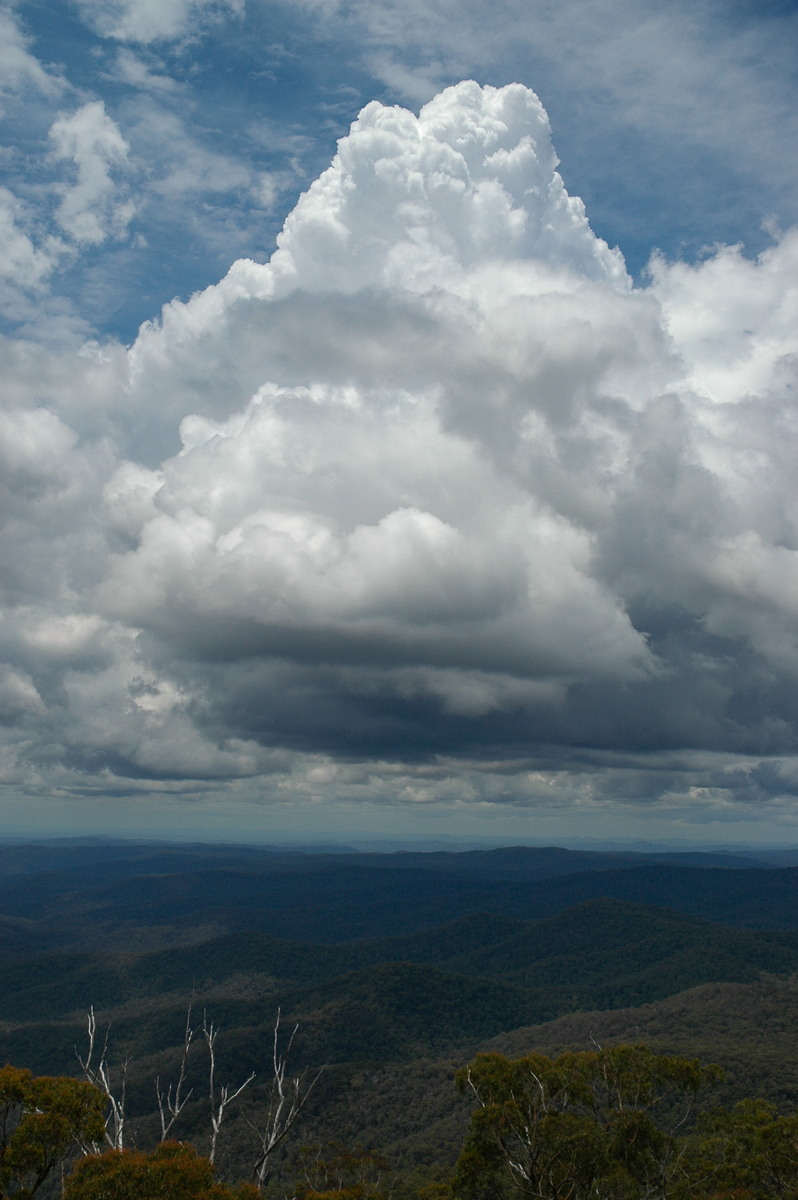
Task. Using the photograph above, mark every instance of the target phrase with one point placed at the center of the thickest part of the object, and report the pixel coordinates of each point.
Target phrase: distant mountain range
(391, 961)
(84, 895)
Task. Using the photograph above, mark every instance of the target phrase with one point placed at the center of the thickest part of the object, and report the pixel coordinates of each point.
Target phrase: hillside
(85, 897)
(385, 999)
(748, 1028)
(396, 969)
(411, 1113)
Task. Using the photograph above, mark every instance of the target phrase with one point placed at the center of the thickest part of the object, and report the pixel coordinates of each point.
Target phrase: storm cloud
(436, 505)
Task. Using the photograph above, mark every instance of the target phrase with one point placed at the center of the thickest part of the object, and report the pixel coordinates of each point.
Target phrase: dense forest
(399, 1012)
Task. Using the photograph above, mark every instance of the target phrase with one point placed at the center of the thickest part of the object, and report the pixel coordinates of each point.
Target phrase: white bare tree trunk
(288, 1097)
(225, 1095)
(172, 1102)
(100, 1076)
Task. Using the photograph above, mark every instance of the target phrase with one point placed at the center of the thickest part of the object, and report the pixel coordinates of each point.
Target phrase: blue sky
(676, 124)
(471, 511)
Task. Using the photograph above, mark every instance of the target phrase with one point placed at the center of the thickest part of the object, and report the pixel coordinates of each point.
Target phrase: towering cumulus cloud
(434, 504)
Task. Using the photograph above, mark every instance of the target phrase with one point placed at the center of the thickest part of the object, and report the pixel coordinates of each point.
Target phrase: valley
(396, 969)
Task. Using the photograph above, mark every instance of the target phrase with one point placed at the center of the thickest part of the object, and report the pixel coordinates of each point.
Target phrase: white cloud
(457, 481)
(18, 696)
(179, 165)
(22, 264)
(268, 187)
(92, 208)
(19, 69)
(470, 181)
(131, 69)
(423, 503)
(148, 21)
(735, 319)
(691, 99)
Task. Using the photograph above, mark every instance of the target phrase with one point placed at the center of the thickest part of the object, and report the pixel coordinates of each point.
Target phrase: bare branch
(172, 1102)
(221, 1099)
(100, 1076)
(288, 1098)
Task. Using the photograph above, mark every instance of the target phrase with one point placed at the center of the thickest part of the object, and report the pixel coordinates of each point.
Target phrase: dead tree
(172, 1102)
(288, 1097)
(224, 1096)
(100, 1076)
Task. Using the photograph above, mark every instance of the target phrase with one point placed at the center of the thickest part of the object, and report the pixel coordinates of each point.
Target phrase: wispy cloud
(19, 69)
(146, 21)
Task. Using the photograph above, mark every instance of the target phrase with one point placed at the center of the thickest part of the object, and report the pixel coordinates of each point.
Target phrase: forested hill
(395, 967)
(83, 894)
(385, 999)
(597, 954)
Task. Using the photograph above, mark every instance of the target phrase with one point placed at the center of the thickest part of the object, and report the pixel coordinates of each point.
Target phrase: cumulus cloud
(690, 99)
(434, 506)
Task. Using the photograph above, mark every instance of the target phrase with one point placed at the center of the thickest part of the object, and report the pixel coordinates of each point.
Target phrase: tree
(220, 1097)
(750, 1152)
(287, 1094)
(42, 1121)
(172, 1101)
(603, 1125)
(333, 1172)
(287, 1099)
(98, 1073)
(171, 1171)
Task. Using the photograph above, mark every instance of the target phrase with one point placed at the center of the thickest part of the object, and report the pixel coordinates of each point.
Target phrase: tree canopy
(42, 1120)
(586, 1126)
(621, 1123)
(172, 1171)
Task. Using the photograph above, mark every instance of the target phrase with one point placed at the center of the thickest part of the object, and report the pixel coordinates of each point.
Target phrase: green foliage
(42, 1121)
(170, 1172)
(598, 1124)
(750, 1152)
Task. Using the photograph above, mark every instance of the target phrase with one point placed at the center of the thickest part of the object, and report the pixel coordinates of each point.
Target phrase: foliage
(170, 1172)
(750, 1152)
(42, 1120)
(615, 1123)
(602, 1123)
(334, 1171)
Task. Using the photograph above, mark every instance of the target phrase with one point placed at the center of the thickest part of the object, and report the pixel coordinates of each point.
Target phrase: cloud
(146, 21)
(78, 169)
(132, 70)
(435, 507)
(187, 166)
(20, 71)
(695, 99)
(487, 365)
(25, 267)
(91, 209)
(18, 696)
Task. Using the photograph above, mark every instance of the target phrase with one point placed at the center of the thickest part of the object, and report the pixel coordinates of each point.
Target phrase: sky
(398, 419)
